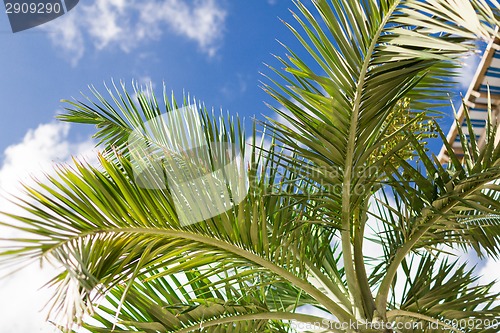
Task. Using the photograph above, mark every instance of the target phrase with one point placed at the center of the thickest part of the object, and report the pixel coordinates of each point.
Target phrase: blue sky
(213, 49)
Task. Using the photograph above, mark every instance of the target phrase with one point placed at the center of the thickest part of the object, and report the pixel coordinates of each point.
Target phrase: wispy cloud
(468, 70)
(130, 24)
(236, 86)
(38, 151)
(22, 295)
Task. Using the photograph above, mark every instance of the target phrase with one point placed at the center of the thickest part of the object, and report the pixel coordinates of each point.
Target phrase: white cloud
(67, 36)
(203, 22)
(490, 273)
(129, 24)
(22, 301)
(38, 151)
(21, 294)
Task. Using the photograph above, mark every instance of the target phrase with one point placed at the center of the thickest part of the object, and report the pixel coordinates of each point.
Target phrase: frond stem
(329, 304)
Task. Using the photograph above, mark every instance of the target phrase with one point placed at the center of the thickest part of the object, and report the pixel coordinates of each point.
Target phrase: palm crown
(350, 158)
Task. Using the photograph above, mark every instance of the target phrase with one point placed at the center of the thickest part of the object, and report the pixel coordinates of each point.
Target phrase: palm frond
(443, 296)
(368, 56)
(153, 305)
(105, 229)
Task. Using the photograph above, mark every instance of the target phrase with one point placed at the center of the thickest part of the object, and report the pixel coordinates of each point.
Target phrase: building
(476, 99)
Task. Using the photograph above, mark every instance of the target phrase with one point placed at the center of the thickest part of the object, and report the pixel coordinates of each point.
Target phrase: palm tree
(348, 165)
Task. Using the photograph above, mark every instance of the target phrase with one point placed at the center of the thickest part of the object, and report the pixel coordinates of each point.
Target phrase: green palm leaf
(106, 230)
